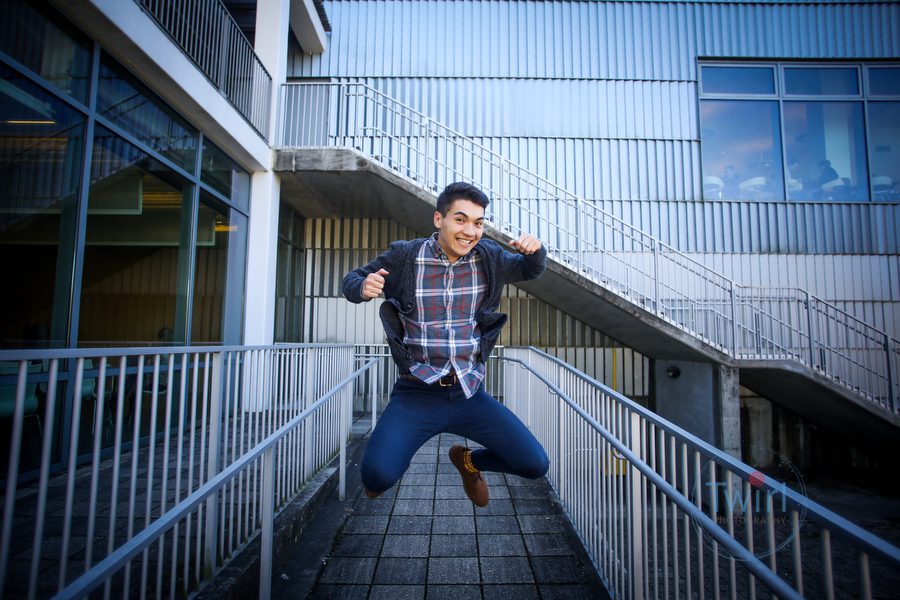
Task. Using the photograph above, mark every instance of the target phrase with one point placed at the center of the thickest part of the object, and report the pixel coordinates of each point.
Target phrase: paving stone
(418, 479)
(374, 506)
(413, 507)
(543, 524)
(366, 524)
(401, 571)
(348, 571)
(409, 524)
(453, 525)
(507, 569)
(497, 506)
(543, 544)
(570, 592)
(518, 492)
(453, 545)
(447, 468)
(515, 481)
(453, 507)
(498, 524)
(500, 545)
(449, 479)
(511, 592)
(341, 592)
(558, 569)
(453, 570)
(358, 545)
(406, 546)
(454, 592)
(535, 507)
(450, 492)
(397, 592)
(416, 491)
(422, 467)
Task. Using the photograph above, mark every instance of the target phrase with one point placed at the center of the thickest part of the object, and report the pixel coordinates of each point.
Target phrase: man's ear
(437, 219)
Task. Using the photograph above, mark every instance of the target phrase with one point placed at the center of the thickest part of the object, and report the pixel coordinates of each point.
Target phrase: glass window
(738, 80)
(741, 149)
(41, 148)
(818, 81)
(216, 233)
(44, 43)
(128, 104)
(134, 265)
(219, 172)
(826, 151)
(884, 81)
(884, 149)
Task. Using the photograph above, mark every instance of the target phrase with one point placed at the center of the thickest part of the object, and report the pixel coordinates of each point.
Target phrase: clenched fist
(526, 244)
(373, 285)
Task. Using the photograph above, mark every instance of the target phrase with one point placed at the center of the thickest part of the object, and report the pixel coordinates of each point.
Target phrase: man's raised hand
(373, 284)
(526, 244)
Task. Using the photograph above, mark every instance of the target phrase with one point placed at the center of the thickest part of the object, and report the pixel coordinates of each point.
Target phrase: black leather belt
(445, 381)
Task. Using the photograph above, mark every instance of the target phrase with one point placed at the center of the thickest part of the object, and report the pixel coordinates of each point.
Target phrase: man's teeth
(464, 242)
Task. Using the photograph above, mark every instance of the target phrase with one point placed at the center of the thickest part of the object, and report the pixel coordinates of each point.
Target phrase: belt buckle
(449, 379)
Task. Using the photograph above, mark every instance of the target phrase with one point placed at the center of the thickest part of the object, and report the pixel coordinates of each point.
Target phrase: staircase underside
(342, 182)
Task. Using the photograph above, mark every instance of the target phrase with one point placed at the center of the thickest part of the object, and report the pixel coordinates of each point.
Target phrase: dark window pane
(131, 106)
(826, 152)
(884, 149)
(738, 80)
(134, 255)
(821, 82)
(215, 235)
(884, 81)
(46, 44)
(224, 175)
(741, 150)
(41, 149)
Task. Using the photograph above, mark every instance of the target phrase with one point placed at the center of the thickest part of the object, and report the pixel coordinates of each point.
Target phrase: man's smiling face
(460, 229)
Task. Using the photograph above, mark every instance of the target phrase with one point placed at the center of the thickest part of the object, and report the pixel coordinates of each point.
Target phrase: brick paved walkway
(425, 539)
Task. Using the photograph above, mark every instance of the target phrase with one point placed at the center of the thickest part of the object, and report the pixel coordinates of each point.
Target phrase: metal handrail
(115, 561)
(210, 37)
(792, 324)
(661, 457)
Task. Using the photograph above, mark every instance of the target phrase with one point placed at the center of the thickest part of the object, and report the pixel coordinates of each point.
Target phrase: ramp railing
(664, 514)
(151, 468)
(744, 322)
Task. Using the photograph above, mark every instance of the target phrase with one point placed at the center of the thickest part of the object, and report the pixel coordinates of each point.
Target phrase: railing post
(426, 170)
(211, 537)
(637, 519)
(268, 518)
(891, 375)
(809, 331)
(579, 232)
(373, 390)
(734, 321)
(654, 245)
(342, 454)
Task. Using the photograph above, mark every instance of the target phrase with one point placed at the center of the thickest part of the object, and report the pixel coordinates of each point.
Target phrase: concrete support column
(728, 404)
(262, 258)
(273, 20)
(761, 442)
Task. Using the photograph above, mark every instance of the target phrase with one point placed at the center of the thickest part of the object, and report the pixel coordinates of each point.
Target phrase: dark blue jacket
(500, 266)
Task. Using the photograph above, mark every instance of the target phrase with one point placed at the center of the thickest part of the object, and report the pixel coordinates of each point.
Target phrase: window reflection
(817, 81)
(126, 102)
(41, 146)
(884, 81)
(224, 175)
(826, 153)
(738, 80)
(741, 150)
(133, 262)
(44, 43)
(884, 154)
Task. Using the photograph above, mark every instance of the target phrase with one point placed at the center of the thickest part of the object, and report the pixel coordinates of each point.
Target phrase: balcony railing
(744, 322)
(209, 36)
(663, 514)
(151, 468)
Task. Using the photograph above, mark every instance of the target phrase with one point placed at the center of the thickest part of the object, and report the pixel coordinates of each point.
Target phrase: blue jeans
(418, 411)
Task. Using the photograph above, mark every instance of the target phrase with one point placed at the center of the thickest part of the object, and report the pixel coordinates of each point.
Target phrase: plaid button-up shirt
(441, 332)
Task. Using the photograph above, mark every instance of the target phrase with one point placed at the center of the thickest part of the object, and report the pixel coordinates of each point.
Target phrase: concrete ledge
(240, 578)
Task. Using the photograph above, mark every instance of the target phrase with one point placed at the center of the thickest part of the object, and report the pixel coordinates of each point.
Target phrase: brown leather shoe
(474, 484)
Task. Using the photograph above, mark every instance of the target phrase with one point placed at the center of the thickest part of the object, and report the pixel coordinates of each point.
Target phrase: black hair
(460, 191)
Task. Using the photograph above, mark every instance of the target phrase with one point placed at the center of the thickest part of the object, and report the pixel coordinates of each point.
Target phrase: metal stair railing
(744, 322)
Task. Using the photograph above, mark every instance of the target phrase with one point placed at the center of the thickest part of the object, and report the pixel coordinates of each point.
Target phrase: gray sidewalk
(425, 539)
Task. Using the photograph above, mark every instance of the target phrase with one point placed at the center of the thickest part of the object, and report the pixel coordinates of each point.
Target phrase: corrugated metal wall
(335, 246)
(601, 97)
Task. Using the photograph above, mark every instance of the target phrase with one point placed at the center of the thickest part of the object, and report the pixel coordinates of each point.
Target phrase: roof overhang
(307, 26)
